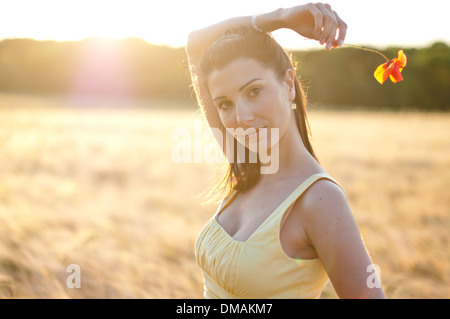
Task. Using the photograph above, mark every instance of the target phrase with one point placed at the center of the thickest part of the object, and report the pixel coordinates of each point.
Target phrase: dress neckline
(311, 179)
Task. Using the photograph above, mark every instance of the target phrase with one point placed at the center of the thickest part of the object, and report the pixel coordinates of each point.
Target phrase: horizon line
(179, 46)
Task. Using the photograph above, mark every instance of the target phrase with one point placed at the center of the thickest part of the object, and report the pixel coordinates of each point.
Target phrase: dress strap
(302, 188)
(225, 202)
(288, 201)
(284, 208)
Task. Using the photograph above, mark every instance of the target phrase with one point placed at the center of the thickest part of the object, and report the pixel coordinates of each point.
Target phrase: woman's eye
(223, 105)
(254, 91)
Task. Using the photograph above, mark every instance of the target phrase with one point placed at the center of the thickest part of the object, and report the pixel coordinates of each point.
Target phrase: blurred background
(91, 92)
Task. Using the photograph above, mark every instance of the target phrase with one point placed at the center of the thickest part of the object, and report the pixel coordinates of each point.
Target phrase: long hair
(245, 42)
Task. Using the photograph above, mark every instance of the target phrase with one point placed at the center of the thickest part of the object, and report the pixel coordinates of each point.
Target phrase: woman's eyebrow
(249, 82)
(218, 98)
(241, 88)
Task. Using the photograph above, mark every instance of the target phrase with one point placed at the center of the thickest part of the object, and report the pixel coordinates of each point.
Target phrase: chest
(243, 215)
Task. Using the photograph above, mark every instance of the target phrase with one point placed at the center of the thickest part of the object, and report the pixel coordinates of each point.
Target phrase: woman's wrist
(270, 21)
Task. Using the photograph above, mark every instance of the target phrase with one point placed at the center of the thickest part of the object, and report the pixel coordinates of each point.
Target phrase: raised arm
(313, 21)
(200, 40)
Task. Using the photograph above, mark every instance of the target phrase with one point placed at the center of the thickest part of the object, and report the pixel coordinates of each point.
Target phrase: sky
(381, 23)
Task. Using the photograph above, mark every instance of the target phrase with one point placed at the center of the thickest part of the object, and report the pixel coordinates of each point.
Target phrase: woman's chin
(261, 142)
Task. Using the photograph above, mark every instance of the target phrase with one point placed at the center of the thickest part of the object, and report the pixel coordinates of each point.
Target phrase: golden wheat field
(96, 187)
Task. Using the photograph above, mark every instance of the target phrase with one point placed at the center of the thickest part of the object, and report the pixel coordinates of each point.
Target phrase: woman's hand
(316, 21)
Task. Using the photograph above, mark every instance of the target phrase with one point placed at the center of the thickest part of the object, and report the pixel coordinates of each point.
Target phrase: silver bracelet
(255, 27)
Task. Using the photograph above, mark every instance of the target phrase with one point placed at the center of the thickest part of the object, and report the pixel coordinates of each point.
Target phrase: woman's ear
(289, 80)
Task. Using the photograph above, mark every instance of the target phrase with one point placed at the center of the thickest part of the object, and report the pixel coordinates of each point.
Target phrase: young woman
(286, 232)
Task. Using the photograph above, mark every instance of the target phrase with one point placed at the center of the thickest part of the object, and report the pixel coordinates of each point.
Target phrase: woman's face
(253, 102)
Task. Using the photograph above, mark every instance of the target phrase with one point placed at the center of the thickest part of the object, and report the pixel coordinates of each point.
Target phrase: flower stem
(366, 49)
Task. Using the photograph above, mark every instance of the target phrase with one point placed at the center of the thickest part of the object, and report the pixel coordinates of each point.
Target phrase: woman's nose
(244, 114)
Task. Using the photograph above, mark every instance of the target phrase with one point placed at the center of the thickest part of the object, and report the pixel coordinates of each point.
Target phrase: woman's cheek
(227, 119)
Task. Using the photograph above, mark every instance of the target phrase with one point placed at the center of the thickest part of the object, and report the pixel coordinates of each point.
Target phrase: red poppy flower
(391, 69)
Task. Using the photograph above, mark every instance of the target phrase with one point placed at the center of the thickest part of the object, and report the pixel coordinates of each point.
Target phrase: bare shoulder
(323, 196)
(322, 205)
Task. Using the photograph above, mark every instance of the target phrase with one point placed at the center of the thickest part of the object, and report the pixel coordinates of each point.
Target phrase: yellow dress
(257, 268)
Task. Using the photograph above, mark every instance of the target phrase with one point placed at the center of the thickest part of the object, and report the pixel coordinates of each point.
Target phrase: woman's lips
(255, 131)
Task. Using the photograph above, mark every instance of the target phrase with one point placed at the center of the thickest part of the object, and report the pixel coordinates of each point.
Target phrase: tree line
(338, 78)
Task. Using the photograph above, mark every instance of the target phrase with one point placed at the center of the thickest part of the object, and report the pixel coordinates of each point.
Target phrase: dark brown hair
(246, 43)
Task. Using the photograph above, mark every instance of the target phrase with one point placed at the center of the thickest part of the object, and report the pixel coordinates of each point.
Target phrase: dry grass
(97, 188)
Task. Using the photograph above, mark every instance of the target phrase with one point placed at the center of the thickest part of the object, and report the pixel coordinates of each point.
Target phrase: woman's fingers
(330, 26)
(318, 21)
(327, 23)
(342, 29)
(332, 37)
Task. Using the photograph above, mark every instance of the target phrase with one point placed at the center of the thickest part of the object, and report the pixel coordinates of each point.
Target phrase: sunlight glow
(169, 22)
(102, 70)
